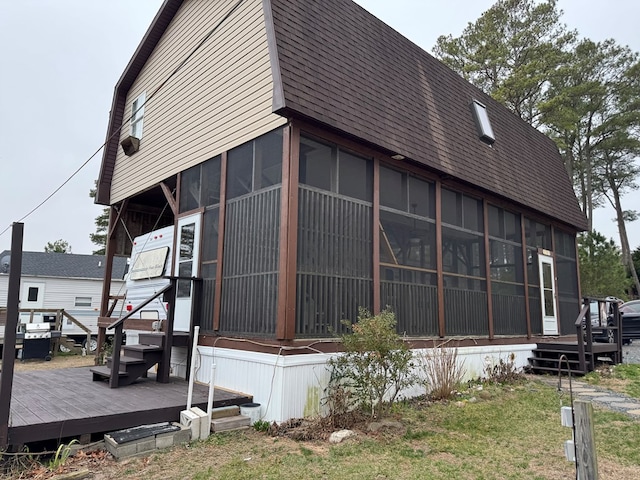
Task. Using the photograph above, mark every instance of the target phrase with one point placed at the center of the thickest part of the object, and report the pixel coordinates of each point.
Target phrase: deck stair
(136, 360)
(546, 357)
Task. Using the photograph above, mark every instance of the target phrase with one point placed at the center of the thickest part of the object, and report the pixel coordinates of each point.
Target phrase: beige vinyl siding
(220, 99)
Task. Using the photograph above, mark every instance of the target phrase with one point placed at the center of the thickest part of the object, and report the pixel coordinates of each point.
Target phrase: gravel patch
(631, 353)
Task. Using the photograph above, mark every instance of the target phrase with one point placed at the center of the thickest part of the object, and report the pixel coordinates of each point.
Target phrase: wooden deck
(56, 404)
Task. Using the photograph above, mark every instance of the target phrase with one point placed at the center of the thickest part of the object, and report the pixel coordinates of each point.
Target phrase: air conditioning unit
(130, 145)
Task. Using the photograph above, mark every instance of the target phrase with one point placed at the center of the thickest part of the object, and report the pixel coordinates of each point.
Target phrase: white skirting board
(292, 386)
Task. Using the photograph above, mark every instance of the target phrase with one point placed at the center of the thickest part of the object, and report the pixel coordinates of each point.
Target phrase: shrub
(505, 371)
(442, 373)
(375, 367)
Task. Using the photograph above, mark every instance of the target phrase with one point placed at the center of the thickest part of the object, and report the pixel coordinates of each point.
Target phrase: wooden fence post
(586, 461)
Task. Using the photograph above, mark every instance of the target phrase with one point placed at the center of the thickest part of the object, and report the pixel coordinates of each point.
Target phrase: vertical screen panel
(251, 253)
(334, 262)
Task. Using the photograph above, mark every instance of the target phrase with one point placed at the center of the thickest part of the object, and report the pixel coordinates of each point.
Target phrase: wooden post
(586, 461)
(9, 348)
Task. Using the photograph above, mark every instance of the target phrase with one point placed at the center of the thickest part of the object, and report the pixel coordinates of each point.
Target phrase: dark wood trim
(110, 249)
(286, 317)
(292, 247)
(526, 276)
(487, 263)
(121, 212)
(556, 297)
(8, 357)
(173, 204)
(439, 266)
(217, 306)
(375, 227)
(329, 345)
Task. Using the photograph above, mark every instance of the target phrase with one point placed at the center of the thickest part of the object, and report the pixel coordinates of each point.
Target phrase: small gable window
(137, 116)
(482, 123)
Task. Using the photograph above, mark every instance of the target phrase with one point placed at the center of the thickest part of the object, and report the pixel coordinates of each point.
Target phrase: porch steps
(546, 359)
(135, 360)
(224, 419)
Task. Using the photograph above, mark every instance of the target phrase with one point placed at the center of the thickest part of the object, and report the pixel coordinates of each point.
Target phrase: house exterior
(312, 160)
(58, 281)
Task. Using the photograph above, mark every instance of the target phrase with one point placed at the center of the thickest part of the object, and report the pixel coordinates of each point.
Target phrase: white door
(32, 297)
(548, 294)
(186, 265)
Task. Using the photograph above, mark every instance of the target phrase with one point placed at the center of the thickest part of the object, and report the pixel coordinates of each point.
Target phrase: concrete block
(222, 412)
(205, 429)
(147, 444)
(165, 440)
(182, 436)
(191, 420)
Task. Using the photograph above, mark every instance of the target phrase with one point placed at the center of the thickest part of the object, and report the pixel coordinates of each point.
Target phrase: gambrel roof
(336, 64)
(67, 265)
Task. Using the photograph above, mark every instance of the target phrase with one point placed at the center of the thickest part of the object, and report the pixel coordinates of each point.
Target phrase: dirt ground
(59, 361)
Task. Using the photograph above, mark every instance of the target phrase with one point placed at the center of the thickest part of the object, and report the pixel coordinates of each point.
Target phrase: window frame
(137, 116)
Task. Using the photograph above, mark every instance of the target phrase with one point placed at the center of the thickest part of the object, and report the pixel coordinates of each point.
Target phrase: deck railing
(584, 332)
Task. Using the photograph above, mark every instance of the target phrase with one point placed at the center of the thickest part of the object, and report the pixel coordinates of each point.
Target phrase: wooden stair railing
(118, 325)
(582, 357)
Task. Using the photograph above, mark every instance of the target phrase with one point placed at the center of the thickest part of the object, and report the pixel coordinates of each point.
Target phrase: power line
(117, 130)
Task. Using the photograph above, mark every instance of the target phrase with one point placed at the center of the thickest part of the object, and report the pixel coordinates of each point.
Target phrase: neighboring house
(313, 160)
(66, 281)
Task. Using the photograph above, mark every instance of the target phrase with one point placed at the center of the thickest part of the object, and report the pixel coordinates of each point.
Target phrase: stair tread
(124, 360)
(555, 369)
(142, 348)
(106, 371)
(545, 359)
(551, 350)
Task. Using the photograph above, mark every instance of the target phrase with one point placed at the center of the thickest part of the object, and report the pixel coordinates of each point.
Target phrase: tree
(59, 246)
(601, 270)
(102, 227)
(511, 52)
(592, 114)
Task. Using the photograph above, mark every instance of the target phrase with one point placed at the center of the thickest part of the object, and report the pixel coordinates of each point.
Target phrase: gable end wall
(220, 99)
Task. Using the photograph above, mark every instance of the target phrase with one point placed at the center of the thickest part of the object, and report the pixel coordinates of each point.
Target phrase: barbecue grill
(36, 340)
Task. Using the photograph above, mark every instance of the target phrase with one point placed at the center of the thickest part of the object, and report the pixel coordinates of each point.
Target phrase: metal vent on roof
(482, 122)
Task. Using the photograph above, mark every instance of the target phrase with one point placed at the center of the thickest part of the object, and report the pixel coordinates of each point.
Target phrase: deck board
(56, 404)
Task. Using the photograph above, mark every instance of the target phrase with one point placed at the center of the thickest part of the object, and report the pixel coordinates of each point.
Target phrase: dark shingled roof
(335, 63)
(342, 66)
(67, 265)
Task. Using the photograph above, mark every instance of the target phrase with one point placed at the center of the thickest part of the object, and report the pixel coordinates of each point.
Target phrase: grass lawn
(623, 378)
(510, 432)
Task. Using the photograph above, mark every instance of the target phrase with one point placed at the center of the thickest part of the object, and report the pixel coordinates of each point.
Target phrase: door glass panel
(548, 304)
(184, 286)
(546, 276)
(187, 238)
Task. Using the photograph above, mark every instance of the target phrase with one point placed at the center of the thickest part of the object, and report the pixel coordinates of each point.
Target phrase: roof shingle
(345, 68)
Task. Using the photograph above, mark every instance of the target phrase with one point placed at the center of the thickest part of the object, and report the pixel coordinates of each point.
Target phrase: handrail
(139, 307)
(586, 309)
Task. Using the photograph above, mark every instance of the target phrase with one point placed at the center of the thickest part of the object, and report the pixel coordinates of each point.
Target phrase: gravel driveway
(631, 353)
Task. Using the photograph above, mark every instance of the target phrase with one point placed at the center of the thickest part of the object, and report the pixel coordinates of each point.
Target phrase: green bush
(375, 366)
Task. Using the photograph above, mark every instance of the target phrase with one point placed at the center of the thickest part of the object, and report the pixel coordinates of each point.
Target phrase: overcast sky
(62, 58)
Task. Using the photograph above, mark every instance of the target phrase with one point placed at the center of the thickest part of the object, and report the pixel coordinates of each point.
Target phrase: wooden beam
(487, 262)
(170, 198)
(11, 326)
(286, 318)
(526, 276)
(113, 226)
(439, 266)
(217, 306)
(110, 248)
(376, 228)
